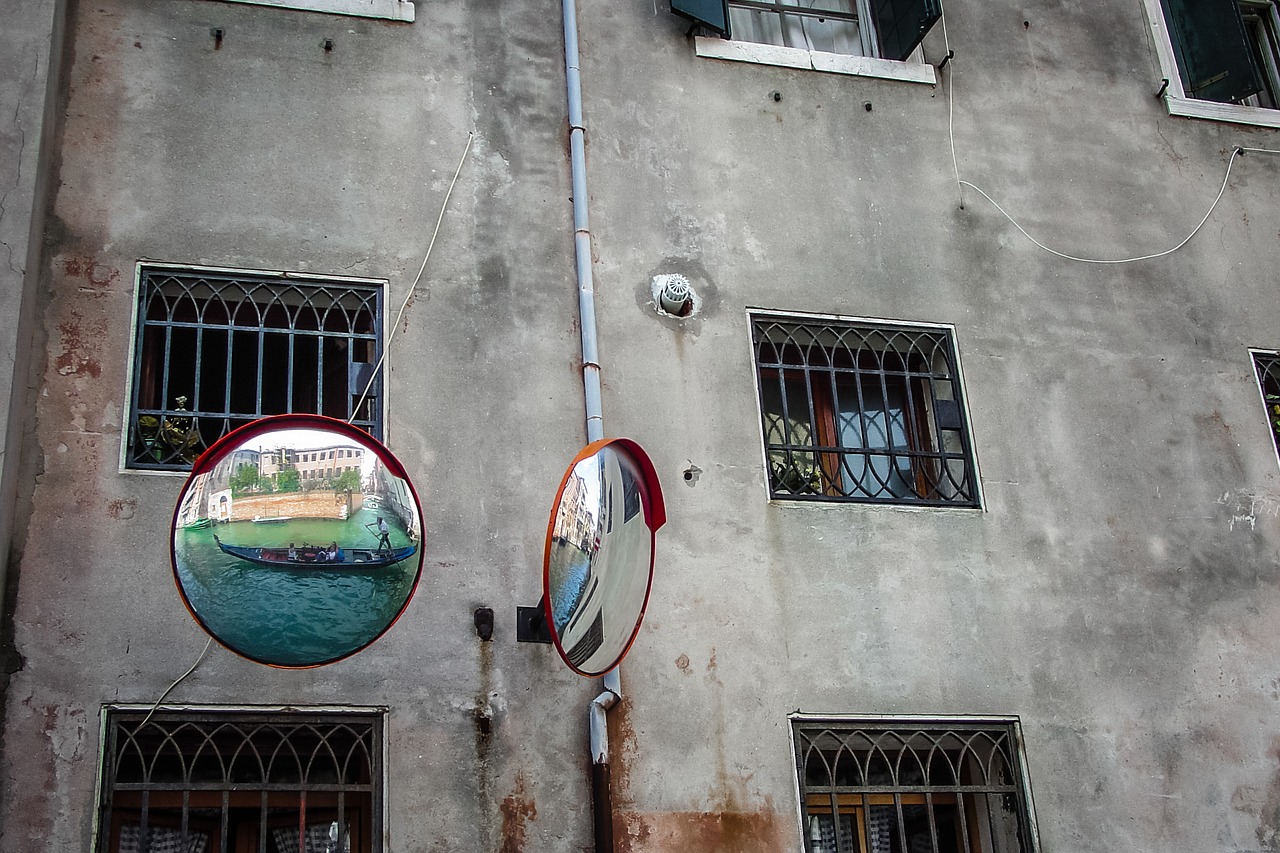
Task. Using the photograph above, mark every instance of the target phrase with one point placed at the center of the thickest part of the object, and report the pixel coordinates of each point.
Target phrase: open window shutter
(712, 14)
(1213, 52)
(902, 24)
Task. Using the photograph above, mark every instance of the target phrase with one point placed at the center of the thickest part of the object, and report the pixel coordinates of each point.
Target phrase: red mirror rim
(655, 515)
(274, 423)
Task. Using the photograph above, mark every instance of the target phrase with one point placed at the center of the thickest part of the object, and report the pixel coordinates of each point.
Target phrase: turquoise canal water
(569, 571)
(293, 617)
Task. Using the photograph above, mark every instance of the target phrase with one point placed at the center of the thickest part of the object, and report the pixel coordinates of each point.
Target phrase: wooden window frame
(975, 768)
(229, 775)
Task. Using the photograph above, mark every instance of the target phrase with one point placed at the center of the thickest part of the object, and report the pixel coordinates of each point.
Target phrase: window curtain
(320, 838)
(162, 840)
(873, 419)
(802, 31)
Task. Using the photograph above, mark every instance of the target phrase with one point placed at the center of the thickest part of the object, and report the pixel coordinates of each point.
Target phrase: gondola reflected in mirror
(598, 564)
(297, 540)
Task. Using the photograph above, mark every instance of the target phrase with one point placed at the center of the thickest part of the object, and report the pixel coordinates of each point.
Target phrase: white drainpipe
(601, 804)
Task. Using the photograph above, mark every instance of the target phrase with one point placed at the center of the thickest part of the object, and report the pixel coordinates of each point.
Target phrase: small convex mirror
(598, 560)
(297, 540)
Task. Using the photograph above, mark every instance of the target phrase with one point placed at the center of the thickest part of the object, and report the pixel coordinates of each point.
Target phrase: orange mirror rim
(655, 515)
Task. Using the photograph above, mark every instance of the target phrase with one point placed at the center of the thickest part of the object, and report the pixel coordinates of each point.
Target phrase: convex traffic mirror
(598, 559)
(297, 540)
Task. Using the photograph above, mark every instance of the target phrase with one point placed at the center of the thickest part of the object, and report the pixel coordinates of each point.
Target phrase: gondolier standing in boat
(383, 534)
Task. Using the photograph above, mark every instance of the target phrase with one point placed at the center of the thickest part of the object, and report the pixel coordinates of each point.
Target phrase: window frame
(1256, 357)
(853, 724)
(391, 10)
(911, 69)
(132, 378)
(1175, 96)
(1268, 14)
(375, 717)
(828, 425)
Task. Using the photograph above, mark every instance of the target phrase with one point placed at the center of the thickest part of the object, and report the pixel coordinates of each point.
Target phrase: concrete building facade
(935, 493)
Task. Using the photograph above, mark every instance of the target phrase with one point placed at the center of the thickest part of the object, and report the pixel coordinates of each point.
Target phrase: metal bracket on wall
(531, 624)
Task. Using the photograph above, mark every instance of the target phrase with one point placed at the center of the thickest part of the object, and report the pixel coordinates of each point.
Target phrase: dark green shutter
(901, 24)
(1212, 49)
(712, 14)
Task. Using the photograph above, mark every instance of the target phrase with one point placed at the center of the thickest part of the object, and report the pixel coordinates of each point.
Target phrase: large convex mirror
(598, 564)
(297, 540)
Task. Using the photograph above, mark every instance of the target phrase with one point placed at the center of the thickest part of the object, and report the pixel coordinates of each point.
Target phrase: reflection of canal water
(293, 617)
(568, 573)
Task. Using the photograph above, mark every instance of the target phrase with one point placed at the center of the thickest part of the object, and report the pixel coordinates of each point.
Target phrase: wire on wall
(961, 184)
(181, 679)
(373, 374)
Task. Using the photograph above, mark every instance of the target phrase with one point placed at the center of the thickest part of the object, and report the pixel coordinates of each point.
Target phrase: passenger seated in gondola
(293, 553)
(333, 554)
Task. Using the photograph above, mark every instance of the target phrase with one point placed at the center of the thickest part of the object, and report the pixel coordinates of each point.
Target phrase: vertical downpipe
(601, 802)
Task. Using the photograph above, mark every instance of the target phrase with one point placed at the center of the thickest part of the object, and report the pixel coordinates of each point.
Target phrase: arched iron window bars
(229, 782)
(216, 350)
(869, 787)
(861, 412)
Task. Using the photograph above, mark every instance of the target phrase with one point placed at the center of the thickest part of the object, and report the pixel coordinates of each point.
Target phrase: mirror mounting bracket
(531, 624)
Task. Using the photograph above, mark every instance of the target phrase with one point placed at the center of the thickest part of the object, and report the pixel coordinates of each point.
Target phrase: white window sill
(833, 63)
(1191, 108)
(393, 10)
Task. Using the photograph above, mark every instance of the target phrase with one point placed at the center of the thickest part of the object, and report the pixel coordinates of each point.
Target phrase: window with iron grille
(229, 782)
(218, 349)
(1267, 365)
(896, 786)
(866, 412)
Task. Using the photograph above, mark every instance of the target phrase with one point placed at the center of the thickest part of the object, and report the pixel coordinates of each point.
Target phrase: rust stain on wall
(707, 832)
(622, 740)
(1263, 804)
(1269, 816)
(99, 278)
(730, 823)
(79, 356)
(518, 808)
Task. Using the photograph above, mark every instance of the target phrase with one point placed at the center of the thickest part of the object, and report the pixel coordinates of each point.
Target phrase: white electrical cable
(1185, 240)
(181, 679)
(405, 304)
(960, 184)
(951, 109)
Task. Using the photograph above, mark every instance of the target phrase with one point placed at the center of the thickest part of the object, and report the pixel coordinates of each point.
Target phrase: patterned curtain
(162, 840)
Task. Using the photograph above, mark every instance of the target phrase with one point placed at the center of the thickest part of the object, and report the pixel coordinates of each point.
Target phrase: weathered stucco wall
(1117, 592)
(266, 152)
(29, 46)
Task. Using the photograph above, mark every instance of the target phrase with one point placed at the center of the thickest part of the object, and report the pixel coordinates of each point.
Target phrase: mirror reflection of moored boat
(311, 558)
(257, 532)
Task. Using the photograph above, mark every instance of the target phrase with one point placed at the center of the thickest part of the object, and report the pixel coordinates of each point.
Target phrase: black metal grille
(860, 412)
(217, 350)
(1268, 367)
(886, 787)
(236, 783)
